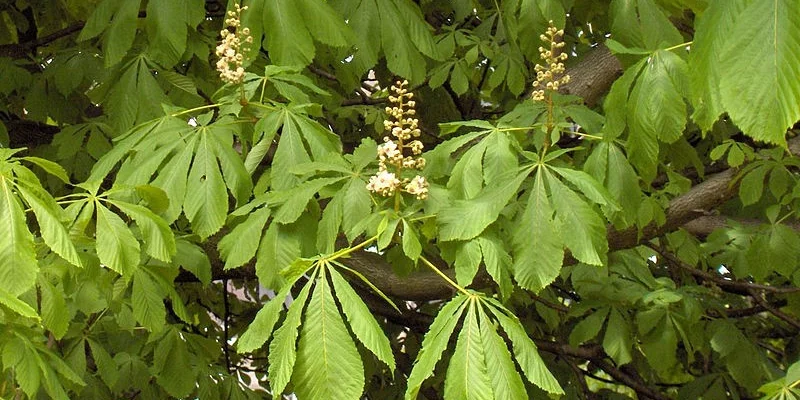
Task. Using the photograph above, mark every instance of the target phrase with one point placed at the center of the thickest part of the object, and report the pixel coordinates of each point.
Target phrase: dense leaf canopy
(391, 199)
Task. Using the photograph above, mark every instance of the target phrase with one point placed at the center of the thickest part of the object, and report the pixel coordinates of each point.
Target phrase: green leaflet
(166, 25)
(588, 327)
(506, 382)
(147, 299)
(466, 219)
(609, 165)
(16, 305)
(134, 96)
(468, 259)
(240, 245)
(294, 19)
(618, 341)
(762, 42)
(260, 329)
(616, 101)
(641, 23)
(49, 215)
(656, 110)
(158, 237)
(55, 315)
(106, 366)
(117, 248)
(328, 364)
(434, 344)
(170, 360)
(584, 231)
(538, 246)
(361, 321)
(118, 20)
(404, 37)
(298, 131)
(712, 32)
(283, 348)
(497, 262)
(206, 203)
(467, 374)
(525, 351)
(280, 246)
(192, 258)
(18, 265)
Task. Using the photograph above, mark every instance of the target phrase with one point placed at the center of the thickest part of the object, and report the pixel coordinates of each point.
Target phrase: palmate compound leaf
(328, 364)
(656, 110)
(481, 366)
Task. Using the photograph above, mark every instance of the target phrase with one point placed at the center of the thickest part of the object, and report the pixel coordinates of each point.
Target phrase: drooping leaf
(434, 344)
(18, 265)
(467, 373)
(240, 245)
(362, 323)
(762, 42)
(147, 299)
(328, 364)
(283, 348)
(525, 352)
(538, 247)
(158, 237)
(117, 248)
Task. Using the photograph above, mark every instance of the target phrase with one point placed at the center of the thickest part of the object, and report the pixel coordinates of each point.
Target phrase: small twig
(758, 297)
(580, 377)
(737, 286)
(627, 380)
(226, 314)
(322, 73)
(549, 304)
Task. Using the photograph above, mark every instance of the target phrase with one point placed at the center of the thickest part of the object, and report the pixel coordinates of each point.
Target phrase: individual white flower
(384, 183)
(418, 187)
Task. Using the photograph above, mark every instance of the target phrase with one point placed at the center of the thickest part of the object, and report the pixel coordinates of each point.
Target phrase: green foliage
(168, 234)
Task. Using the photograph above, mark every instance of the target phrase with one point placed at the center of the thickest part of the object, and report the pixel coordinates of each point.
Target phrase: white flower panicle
(550, 77)
(234, 43)
(404, 131)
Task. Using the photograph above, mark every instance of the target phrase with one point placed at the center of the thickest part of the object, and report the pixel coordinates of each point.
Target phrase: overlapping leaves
(18, 255)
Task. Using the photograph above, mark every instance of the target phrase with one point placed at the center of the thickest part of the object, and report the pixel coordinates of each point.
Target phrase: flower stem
(191, 110)
(677, 46)
(348, 250)
(445, 277)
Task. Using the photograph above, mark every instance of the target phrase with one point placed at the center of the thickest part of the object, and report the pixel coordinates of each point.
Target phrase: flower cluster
(550, 76)
(392, 153)
(230, 50)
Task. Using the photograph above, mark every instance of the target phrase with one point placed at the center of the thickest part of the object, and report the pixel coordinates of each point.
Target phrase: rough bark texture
(591, 77)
